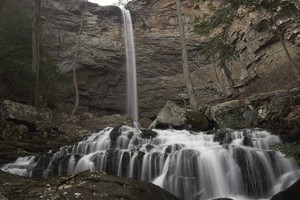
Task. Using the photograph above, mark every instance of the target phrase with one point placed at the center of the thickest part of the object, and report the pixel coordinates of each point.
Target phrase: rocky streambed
(84, 185)
(26, 130)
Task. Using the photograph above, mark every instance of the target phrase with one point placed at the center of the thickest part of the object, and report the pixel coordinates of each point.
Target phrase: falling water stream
(132, 99)
(191, 165)
(188, 164)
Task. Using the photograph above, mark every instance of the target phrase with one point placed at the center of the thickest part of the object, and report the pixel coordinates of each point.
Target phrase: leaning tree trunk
(75, 61)
(1, 5)
(186, 72)
(281, 38)
(36, 52)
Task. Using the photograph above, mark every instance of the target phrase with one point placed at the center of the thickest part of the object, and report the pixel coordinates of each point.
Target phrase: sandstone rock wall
(101, 70)
(101, 73)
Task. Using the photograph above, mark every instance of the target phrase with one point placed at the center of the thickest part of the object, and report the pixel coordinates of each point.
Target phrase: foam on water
(188, 164)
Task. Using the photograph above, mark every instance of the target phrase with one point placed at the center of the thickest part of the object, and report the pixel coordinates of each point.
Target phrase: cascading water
(188, 164)
(132, 99)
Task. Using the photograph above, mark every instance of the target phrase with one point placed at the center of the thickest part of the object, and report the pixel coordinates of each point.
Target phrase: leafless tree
(186, 72)
(75, 61)
(36, 51)
(282, 41)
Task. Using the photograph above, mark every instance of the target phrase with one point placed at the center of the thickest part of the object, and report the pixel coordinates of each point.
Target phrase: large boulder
(173, 116)
(99, 123)
(27, 130)
(291, 193)
(84, 185)
(275, 110)
(233, 114)
(34, 118)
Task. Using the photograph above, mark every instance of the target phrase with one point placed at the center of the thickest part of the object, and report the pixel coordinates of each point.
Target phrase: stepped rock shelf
(190, 165)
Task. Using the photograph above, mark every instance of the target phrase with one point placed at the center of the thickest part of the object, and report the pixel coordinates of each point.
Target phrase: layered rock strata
(101, 70)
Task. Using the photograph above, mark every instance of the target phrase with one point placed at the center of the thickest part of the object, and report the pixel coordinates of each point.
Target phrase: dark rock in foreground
(84, 185)
(26, 130)
(291, 193)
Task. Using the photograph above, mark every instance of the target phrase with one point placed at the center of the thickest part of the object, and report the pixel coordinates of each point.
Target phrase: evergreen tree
(16, 59)
(222, 17)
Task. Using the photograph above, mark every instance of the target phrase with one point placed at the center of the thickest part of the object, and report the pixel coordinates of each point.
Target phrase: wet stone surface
(84, 185)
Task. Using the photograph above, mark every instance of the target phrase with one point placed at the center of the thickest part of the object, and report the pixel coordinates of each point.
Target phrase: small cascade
(188, 164)
(132, 99)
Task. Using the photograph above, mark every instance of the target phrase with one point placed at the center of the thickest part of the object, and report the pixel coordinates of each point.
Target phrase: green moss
(197, 120)
(290, 150)
(16, 59)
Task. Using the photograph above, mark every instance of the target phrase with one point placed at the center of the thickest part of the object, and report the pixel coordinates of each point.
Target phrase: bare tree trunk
(186, 72)
(223, 88)
(75, 61)
(294, 66)
(36, 52)
(1, 6)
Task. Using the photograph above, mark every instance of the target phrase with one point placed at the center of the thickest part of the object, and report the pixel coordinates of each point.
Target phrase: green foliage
(50, 77)
(15, 51)
(221, 16)
(197, 120)
(218, 46)
(16, 58)
(290, 150)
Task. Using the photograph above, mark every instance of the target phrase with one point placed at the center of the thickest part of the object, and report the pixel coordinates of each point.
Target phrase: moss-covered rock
(171, 116)
(84, 185)
(290, 150)
(291, 193)
(276, 110)
(197, 120)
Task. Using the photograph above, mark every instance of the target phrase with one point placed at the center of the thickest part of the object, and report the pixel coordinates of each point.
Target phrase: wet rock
(145, 122)
(247, 141)
(34, 118)
(276, 110)
(291, 193)
(149, 147)
(170, 116)
(115, 133)
(172, 148)
(197, 120)
(112, 161)
(223, 136)
(173, 116)
(130, 134)
(253, 173)
(26, 130)
(100, 123)
(148, 134)
(84, 185)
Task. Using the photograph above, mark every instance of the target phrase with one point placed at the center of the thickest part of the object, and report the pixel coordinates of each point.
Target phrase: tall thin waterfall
(188, 164)
(132, 99)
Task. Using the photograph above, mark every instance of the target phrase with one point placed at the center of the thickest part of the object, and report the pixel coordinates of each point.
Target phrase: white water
(189, 165)
(132, 99)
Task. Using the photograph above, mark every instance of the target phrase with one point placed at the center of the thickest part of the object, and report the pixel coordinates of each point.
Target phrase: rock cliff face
(101, 70)
(101, 74)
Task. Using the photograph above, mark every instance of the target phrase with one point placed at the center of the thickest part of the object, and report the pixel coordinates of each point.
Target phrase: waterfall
(132, 99)
(190, 165)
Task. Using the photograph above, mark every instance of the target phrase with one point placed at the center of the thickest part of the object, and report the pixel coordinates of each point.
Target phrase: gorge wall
(101, 70)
